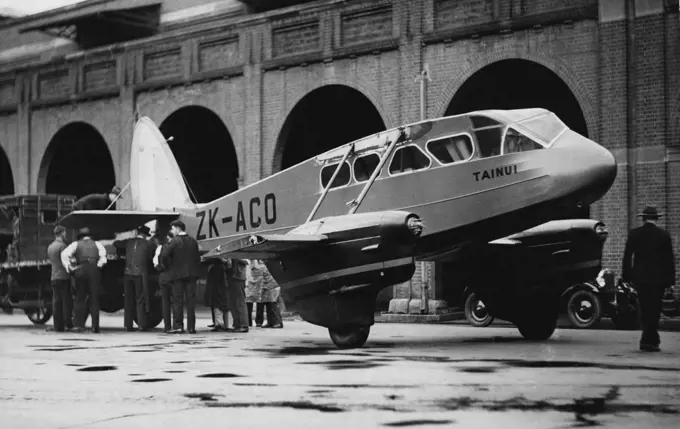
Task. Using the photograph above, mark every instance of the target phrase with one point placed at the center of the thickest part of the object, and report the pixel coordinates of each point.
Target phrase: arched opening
(6, 178)
(204, 152)
(324, 119)
(518, 84)
(514, 84)
(77, 162)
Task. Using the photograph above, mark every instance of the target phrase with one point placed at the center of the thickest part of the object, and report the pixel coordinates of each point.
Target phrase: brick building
(246, 90)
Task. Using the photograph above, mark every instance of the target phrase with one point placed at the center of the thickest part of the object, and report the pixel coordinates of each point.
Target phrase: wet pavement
(423, 376)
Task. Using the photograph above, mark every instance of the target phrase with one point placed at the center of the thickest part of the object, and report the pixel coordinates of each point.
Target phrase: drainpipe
(631, 78)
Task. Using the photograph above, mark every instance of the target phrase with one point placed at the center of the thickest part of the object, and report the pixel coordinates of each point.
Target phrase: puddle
(303, 351)
(479, 369)
(76, 339)
(98, 368)
(180, 361)
(297, 405)
(40, 363)
(142, 351)
(256, 384)
(174, 371)
(219, 375)
(202, 396)
(393, 397)
(74, 364)
(135, 375)
(410, 423)
(150, 380)
(425, 358)
(64, 349)
(493, 340)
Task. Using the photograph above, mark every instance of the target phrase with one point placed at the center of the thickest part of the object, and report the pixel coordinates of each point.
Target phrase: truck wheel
(350, 337)
(476, 312)
(584, 309)
(39, 316)
(155, 317)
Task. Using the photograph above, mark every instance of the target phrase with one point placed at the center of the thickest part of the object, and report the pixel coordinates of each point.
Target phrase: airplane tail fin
(156, 182)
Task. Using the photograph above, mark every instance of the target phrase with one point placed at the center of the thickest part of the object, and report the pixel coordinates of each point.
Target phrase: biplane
(337, 228)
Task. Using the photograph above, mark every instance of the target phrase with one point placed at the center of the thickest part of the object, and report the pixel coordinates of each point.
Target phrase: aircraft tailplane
(156, 182)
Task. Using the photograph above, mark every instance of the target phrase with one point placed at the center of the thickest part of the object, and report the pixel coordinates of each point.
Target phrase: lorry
(26, 229)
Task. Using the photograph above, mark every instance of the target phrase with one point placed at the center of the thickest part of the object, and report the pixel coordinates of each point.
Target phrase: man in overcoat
(649, 264)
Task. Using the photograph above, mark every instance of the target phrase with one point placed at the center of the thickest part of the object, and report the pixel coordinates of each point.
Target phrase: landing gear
(540, 324)
(39, 316)
(349, 337)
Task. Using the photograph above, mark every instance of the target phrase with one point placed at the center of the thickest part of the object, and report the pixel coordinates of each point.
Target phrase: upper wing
(112, 220)
(264, 246)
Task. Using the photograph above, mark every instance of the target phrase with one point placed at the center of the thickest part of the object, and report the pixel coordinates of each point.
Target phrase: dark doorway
(324, 119)
(520, 84)
(77, 162)
(204, 151)
(6, 178)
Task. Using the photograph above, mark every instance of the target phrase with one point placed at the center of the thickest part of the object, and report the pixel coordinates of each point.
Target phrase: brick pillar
(673, 211)
(128, 109)
(409, 17)
(20, 150)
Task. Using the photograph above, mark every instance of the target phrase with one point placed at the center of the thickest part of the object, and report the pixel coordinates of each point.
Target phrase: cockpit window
(517, 142)
(489, 133)
(340, 180)
(546, 127)
(408, 158)
(364, 166)
(451, 149)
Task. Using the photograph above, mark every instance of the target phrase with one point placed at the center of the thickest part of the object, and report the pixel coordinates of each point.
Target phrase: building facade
(245, 92)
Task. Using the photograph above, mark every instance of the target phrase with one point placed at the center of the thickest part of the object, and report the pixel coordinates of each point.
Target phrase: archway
(6, 178)
(204, 151)
(77, 162)
(518, 84)
(514, 84)
(324, 119)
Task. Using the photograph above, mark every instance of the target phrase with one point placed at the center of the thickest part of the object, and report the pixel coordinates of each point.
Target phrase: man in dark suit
(138, 256)
(236, 294)
(164, 282)
(649, 264)
(183, 259)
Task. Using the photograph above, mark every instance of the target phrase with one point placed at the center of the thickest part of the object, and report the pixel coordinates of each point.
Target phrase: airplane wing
(113, 220)
(264, 246)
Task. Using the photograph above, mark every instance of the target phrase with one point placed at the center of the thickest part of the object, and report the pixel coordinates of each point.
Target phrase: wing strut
(354, 204)
(350, 150)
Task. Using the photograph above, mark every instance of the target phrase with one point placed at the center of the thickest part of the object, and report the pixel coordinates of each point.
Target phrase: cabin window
(49, 216)
(546, 127)
(364, 166)
(489, 134)
(451, 149)
(340, 180)
(515, 141)
(408, 158)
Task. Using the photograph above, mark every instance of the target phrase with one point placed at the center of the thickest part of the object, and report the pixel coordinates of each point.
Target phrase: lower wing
(113, 220)
(264, 246)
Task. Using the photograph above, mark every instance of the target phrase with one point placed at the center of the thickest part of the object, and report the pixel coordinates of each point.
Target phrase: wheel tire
(584, 309)
(351, 337)
(476, 315)
(39, 316)
(538, 327)
(155, 317)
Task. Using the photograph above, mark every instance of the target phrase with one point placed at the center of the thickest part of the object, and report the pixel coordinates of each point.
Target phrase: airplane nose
(591, 166)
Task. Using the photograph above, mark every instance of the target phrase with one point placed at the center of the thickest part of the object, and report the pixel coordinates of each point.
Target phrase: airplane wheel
(476, 312)
(39, 316)
(351, 337)
(584, 309)
(540, 327)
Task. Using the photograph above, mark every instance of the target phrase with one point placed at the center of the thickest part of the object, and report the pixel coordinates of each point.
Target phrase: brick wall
(99, 75)
(54, 84)
(163, 64)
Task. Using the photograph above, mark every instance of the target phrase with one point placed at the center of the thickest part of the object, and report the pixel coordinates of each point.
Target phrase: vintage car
(556, 255)
(26, 229)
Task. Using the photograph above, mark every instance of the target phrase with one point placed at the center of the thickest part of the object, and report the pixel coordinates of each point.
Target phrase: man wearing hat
(98, 201)
(138, 257)
(88, 257)
(649, 264)
(62, 298)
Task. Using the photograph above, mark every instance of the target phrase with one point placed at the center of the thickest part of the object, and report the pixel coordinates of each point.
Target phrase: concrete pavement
(405, 376)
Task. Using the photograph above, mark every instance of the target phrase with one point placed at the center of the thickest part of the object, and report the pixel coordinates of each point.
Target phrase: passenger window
(408, 158)
(517, 142)
(340, 180)
(451, 149)
(364, 166)
(489, 133)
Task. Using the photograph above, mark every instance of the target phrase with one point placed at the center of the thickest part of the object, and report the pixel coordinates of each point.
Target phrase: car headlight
(601, 230)
(600, 278)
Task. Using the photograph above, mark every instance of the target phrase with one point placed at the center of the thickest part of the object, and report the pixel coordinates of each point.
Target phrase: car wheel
(584, 309)
(476, 312)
